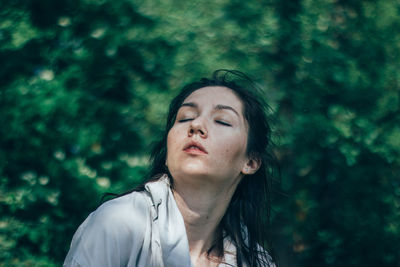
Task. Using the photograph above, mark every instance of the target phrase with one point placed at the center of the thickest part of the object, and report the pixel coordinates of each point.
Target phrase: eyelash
(217, 121)
(223, 123)
(185, 120)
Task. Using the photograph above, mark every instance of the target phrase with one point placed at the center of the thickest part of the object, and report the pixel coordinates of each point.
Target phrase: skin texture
(206, 156)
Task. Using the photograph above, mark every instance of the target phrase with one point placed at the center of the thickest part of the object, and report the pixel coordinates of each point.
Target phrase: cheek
(233, 149)
(172, 140)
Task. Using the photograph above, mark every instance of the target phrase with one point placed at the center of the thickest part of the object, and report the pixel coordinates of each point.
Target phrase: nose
(197, 126)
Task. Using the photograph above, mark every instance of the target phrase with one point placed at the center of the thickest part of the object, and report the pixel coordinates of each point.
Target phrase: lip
(194, 148)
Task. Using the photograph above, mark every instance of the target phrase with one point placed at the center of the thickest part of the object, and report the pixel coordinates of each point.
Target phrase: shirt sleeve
(113, 235)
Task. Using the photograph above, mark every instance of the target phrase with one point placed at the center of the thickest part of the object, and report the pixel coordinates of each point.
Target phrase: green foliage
(73, 116)
(84, 91)
(341, 155)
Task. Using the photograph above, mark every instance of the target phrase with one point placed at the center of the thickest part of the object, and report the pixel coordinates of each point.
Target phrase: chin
(195, 172)
(191, 170)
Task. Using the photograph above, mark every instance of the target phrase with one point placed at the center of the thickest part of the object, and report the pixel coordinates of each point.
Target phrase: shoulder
(122, 217)
(124, 210)
(113, 233)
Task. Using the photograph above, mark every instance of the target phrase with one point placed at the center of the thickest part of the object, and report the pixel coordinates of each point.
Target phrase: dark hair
(247, 216)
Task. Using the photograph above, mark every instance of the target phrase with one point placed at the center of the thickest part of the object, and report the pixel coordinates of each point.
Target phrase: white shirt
(138, 229)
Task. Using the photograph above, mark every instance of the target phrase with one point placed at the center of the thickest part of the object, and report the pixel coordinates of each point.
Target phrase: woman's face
(209, 138)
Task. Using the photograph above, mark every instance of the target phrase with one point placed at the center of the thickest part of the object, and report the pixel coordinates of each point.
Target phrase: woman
(207, 203)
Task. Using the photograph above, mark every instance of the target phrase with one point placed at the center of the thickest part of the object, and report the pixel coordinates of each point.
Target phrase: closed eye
(185, 120)
(223, 123)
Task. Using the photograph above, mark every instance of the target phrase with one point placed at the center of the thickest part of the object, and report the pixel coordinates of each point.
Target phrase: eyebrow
(189, 104)
(221, 107)
(217, 107)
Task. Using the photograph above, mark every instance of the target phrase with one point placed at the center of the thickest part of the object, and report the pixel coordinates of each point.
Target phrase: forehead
(215, 95)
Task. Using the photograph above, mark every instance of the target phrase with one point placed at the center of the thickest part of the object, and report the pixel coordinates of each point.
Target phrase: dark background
(84, 88)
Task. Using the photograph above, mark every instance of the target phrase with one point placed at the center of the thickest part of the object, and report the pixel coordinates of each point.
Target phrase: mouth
(194, 148)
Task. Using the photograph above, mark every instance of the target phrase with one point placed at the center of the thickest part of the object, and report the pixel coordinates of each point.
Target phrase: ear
(251, 166)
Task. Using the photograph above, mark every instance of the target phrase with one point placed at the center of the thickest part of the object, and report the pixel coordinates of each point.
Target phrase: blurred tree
(339, 74)
(74, 116)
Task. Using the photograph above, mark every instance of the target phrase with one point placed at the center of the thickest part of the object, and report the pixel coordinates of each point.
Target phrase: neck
(202, 207)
